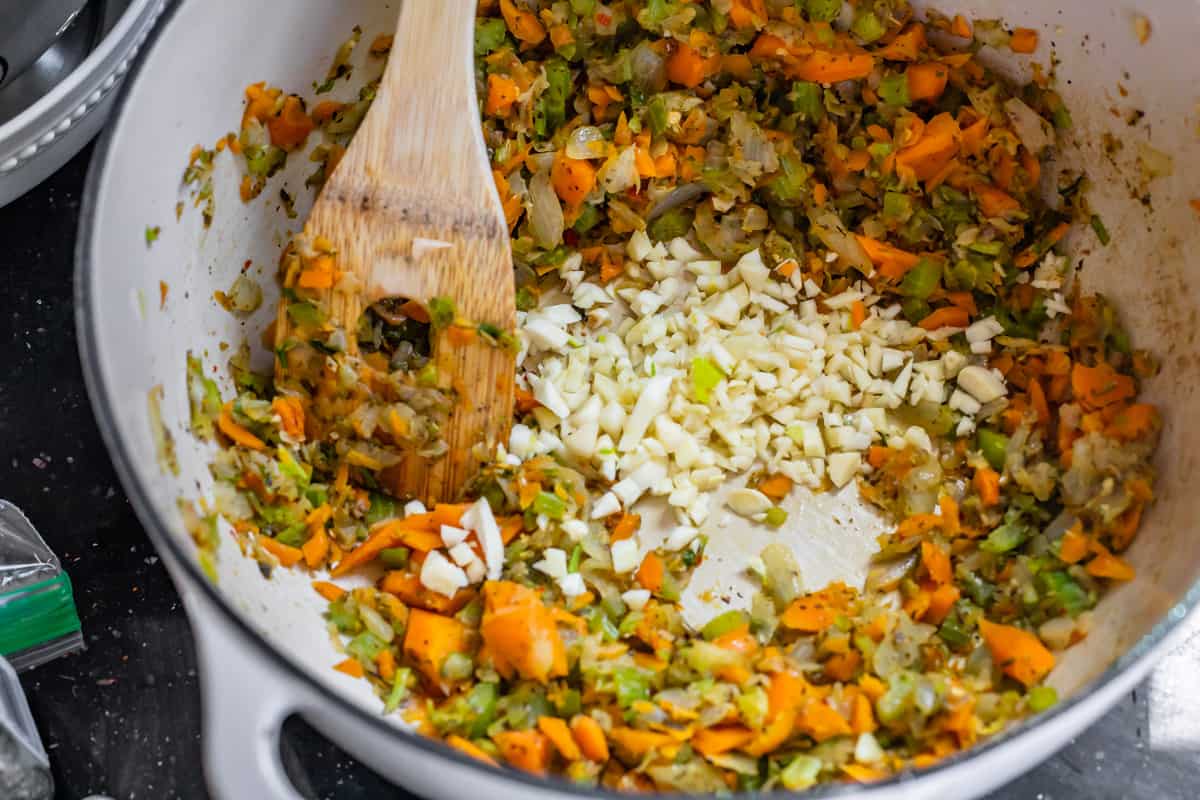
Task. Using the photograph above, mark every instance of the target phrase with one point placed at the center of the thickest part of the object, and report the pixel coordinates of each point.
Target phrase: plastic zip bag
(38, 621)
(24, 767)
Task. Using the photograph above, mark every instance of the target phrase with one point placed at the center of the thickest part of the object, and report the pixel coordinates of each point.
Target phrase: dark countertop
(123, 718)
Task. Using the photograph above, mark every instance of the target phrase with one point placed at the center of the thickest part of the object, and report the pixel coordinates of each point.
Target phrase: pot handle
(244, 703)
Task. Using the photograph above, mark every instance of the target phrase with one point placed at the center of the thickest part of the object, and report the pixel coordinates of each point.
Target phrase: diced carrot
(936, 562)
(1024, 40)
(510, 527)
(933, 150)
(963, 300)
(973, 136)
(1125, 527)
(1074, 545)
(288, 556)
(520, 634)
(330, 591)
(787, 690)
(858, 314)
(388, 535)
(637, 743)
(738, 65)
(877, 455)
(465, 746)
(843, 666)
(260, 104)
(862, 718)
(236, 432)
(386, 663)
(324, 110)
(960, 27)
(1134, 421)
(626, 526)
(686, 67)
(502, 93)
(351, 667)
(650, 573)
(528, 750)
(714, 741)
(987, 483)
(561, 36)
(994, 202)
(941, 601)
(590, 738)
(523, 25)
(822, 66)
(822, 722)
(777, 731)
(429, 639)
(1099, 386)
(559, 734)
(927, 81)
(746, 14)
(316, 549)
(291, 414)
(289, 129)
(1105, 565)
(892, 262)
(447, 514)
(573, 178)
(776, 486)
(946, 317)
(907, 45)
(863, 773)
(1018, 653)
(408, 587)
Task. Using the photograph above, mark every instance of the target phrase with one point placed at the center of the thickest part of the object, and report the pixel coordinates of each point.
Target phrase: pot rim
(101, 394)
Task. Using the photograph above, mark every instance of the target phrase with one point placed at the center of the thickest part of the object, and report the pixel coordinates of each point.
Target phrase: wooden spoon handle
(429, 87)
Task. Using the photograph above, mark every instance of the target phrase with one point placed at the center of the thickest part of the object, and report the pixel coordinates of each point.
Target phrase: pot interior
(147, 307)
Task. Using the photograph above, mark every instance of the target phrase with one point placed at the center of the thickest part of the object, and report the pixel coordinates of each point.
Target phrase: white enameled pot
(264, 651)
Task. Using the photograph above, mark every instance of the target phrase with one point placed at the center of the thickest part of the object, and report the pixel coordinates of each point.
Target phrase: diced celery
(808, 99)
(382, 507)
(893, 89)
(656, 115)
(705, 377)
(550, 505)
(897, 206)
(394, 557)
(489, 34)
(1041, 697)
(922, 280)
(589, 217)
(399, 690)
(670, 225)
(994, 446)
(632, 684)
(724, 623)
(800, 773)
(457, 667)
(365, 646)
(867, 27)
(442, 312)
(823, 10)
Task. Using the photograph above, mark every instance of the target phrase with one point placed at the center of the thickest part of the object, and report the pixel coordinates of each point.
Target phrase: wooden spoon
(418, 169)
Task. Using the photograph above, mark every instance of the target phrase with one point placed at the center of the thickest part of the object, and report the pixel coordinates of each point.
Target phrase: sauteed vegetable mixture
(758, 243)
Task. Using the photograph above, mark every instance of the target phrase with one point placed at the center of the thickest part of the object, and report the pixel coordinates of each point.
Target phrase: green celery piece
(656, 115)
(670, 225)
(808, 99)
(922, 280)
(489, 34)
(705, 377)
(867, 27)
(893, 90)
(823, 10)
(382, 507)
(1041, 697)
(394, 557)
(994, 446)
(897, 206)
(550, 505)
(724, 623)
(632, 685)
(589, 217)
